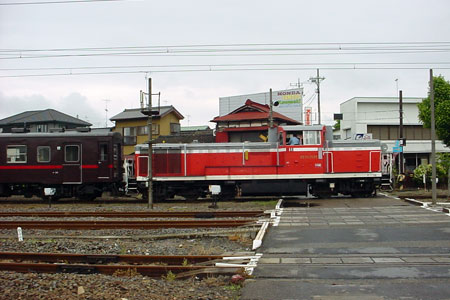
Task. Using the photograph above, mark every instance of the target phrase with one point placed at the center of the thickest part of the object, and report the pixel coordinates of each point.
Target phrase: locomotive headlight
(332, 185)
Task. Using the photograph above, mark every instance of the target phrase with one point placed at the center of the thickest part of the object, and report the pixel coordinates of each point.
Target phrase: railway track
(102, 224)
(153, 266)
(136, 214)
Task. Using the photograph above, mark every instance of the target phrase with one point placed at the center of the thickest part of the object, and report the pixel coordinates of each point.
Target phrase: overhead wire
(218, 70)
(237, 49)
(352, 64)
(55, 2)
(404, 43)
(243, 49)
(174, 54)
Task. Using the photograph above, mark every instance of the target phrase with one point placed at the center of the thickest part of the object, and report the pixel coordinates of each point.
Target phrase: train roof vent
(19, 130)
(83, 129)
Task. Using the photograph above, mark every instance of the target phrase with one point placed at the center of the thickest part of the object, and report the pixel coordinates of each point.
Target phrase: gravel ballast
(167, 241)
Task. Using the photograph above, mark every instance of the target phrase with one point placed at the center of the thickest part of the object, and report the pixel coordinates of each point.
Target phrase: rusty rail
(108, 258)
(135, 214)
(90, 264)
(151, 271)
(123, 224)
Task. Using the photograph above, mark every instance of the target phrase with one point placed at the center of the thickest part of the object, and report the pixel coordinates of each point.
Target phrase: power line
(218, 70)
(142, 54)
(338, 44)
(188, 50)
(55, 2)
(351, 64)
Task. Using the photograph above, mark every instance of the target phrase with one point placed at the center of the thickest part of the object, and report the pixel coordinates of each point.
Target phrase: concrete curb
(414, 201)
(426, 204)
(257, 242)
(274, 219)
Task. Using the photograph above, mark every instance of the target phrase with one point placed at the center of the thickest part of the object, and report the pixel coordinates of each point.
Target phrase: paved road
(377, 248)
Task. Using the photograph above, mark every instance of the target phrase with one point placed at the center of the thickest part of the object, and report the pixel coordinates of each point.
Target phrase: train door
(72, 165)
(104, 160)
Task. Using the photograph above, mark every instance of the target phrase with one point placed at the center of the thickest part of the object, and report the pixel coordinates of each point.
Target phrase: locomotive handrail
(332, 160)
(250, 145)
(185, 160)
(278, 154)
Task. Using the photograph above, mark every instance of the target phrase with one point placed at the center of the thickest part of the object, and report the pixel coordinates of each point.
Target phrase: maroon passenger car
(79, 164)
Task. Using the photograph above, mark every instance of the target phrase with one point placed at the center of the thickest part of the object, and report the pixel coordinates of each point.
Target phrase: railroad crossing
(373, 248)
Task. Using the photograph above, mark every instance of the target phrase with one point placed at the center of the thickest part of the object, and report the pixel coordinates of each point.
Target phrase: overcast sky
(171, 23)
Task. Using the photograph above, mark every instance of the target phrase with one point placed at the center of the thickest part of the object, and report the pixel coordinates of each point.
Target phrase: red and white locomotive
(319, 165)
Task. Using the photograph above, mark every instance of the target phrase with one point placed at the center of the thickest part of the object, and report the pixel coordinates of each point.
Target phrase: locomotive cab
(298, 135)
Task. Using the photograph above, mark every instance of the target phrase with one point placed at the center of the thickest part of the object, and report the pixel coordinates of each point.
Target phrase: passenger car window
(16, 154)
(103, 152)
(72, 153)
(43, 154)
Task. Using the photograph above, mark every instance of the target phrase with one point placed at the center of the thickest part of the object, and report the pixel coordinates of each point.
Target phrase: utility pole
(271, 110)
(297, 84)
(317, 80)
(150, 146)
(433, 142)
(400, 134)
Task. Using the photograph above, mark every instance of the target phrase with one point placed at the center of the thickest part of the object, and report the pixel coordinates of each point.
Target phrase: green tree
(337, 125)
(442, 109)
(444, 160)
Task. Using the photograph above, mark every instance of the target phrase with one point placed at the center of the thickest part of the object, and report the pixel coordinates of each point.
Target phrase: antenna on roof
(106, 111)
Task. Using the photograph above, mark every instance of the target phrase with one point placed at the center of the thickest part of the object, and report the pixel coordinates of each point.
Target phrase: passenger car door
(72, 171)
(104, 160)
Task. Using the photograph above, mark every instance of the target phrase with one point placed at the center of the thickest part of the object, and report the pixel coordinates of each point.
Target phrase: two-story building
(132, 124)
(41, 121)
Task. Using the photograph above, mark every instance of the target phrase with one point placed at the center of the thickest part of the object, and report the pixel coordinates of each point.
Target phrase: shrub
(441, 173)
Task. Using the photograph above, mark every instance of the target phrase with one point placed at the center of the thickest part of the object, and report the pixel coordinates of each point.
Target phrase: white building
(289, 102)
(379, 118)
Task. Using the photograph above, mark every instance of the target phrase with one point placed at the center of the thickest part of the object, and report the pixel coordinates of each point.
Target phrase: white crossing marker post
(19, 234)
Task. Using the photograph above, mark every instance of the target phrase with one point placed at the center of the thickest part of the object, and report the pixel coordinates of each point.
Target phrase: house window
(43, 154)
(143, 130)
(42, 128)
(16, 154)
(129, 135)
(155, 129)
(174, 128)
(72, 153)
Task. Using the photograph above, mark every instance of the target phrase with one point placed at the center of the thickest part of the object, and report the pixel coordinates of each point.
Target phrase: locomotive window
(16, 154)
(43, 154)
(72, 153)
(311, 137)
